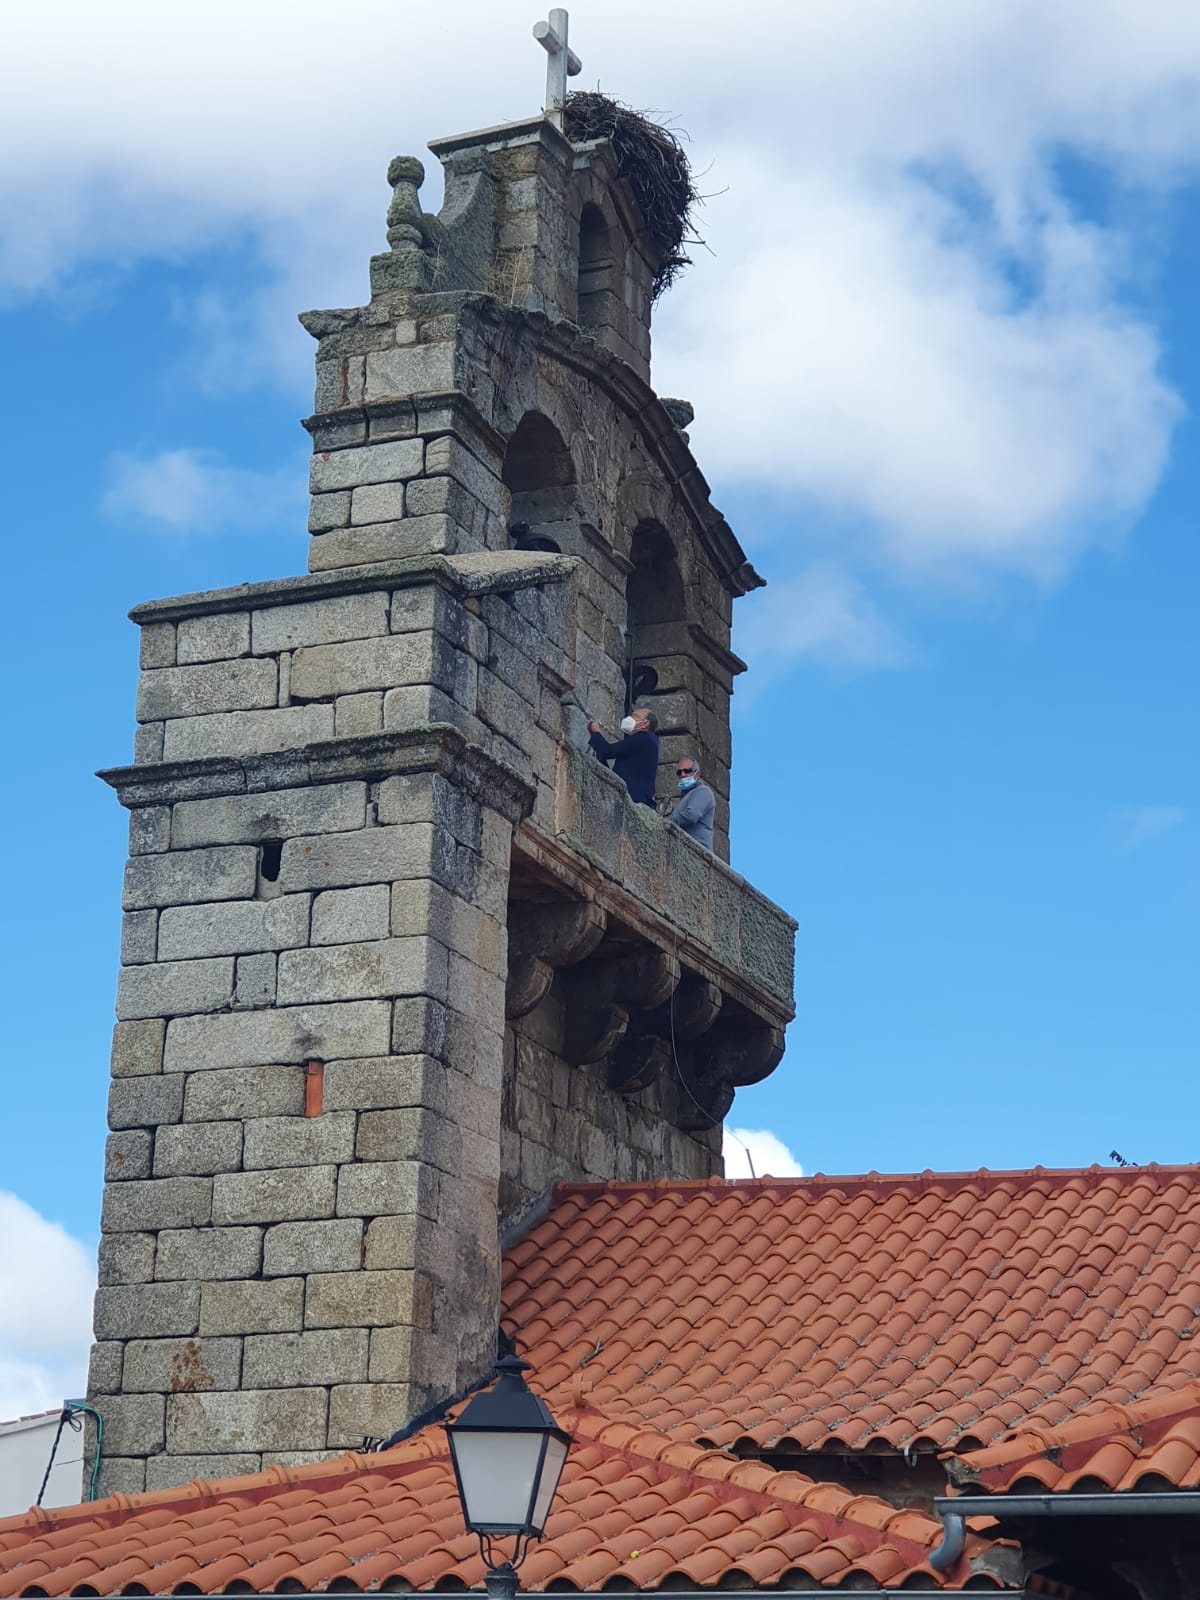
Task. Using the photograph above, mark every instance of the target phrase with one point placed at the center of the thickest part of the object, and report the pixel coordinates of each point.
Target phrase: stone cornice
(431, 747)
(473, 574)
(664, 442)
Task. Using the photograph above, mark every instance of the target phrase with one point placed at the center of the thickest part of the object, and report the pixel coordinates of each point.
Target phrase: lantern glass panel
(556, 1455)
(499, 1475)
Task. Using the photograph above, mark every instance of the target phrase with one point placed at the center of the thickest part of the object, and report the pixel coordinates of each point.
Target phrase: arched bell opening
(655, 617)
(540, 478)
(597, 271)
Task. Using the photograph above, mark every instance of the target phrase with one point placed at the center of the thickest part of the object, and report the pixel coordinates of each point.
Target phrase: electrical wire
(70, 1417)
(704, 1110)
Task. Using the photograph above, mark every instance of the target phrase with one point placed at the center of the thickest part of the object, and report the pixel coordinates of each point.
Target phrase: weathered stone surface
(133, 1424)
(244, 1092)
(299, 1141)
(382, 1082)
(412, 1134)
(277, 814)
(197, 1149)
(174, 988)
(324, 670)
(288, 1360)
(360, 1299)
(126, 1258)
(127, 1155)
(146, 1310)
(144, 1102)
(244, 685)
(360, 971)
(368, 1411)
(377, 463)
(183, 877)
(139, 937)
(294, 1248)
(255, 983)
(206, 1423)
(295, 1033)
(233, 927)
(156, 1203)
(392, 1242)
(245, 733)
(208, 1253)
(350, 916)
(104, 1367)
(383, 1188)
(377, 502)
(347, 616)
(148, 742)
(414, 369)
(149, 830)
(381, 541)
(252, 1306)
(357, 714)
(213, 638)
(327, 511)
(374, 855)
(280, 1195)
(158, 644)
(178, 1366)
(137, 1048)
(171, 1472)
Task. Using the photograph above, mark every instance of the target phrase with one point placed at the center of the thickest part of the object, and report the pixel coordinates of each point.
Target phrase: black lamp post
(508, 1456)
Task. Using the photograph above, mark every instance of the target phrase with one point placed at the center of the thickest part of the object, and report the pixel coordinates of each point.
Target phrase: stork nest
(652, 161)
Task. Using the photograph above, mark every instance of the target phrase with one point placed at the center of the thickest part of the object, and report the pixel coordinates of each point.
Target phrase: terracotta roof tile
(922, 1310)
(1149, 1444)
(635, 1507)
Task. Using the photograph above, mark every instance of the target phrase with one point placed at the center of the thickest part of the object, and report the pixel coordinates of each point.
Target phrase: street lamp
(508, 1456)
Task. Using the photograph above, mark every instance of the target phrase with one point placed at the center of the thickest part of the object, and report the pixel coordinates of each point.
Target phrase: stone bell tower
(398, 953)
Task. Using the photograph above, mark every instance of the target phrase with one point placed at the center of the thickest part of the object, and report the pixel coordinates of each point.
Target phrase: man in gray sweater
(693, 811)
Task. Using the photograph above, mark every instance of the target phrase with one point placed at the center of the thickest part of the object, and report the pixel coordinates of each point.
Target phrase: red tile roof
(863, 1313)
(634, 1510)
(1150, 1444)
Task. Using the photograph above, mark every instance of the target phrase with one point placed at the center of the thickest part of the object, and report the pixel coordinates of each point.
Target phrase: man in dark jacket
(634, 756)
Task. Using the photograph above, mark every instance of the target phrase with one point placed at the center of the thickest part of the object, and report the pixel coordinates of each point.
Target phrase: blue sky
(944, 348)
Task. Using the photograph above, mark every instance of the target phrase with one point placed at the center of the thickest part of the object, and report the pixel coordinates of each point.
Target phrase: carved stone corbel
(722, 1061)
(645, 1052)
(542, 938)
(599, 997)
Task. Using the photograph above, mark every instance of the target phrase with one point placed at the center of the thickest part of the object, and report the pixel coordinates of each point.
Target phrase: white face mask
(628, 724)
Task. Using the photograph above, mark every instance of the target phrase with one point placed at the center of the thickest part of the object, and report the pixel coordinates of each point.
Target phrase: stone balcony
(665, 963)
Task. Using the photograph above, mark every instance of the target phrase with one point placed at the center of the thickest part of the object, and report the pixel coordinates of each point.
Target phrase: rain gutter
(955, 1509)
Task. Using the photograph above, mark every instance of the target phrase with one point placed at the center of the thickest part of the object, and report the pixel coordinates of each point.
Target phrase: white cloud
(195, 491)
(905, 324)
(47, 1279)
(753, 1152)
(1135, 826)
(824, 614)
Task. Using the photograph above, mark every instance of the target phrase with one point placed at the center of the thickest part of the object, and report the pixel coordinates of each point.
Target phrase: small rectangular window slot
(314, 1088)
(270, 859)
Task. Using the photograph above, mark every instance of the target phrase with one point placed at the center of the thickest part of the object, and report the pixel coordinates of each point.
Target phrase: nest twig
(652, 161)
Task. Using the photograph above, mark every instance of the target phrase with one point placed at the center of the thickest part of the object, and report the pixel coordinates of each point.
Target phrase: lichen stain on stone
(188, 1371)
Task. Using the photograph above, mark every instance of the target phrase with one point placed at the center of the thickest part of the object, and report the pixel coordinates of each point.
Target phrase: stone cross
(562, 63)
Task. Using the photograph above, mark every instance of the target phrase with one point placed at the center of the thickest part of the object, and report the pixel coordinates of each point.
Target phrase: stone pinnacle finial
(561, 63)
(405, 219)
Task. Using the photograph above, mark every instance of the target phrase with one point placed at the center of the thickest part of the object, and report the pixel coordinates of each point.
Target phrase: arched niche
(655, 613)
(540, 478)
(598, 298)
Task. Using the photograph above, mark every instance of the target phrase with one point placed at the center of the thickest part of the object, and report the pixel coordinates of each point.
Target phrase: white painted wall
(25, 1447)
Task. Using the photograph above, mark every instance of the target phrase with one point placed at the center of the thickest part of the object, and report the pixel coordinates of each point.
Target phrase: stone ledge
(490, 572)
(433, 747)
(654, 878)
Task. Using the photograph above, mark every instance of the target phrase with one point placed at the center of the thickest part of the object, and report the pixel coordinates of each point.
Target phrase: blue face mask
(685, 784)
